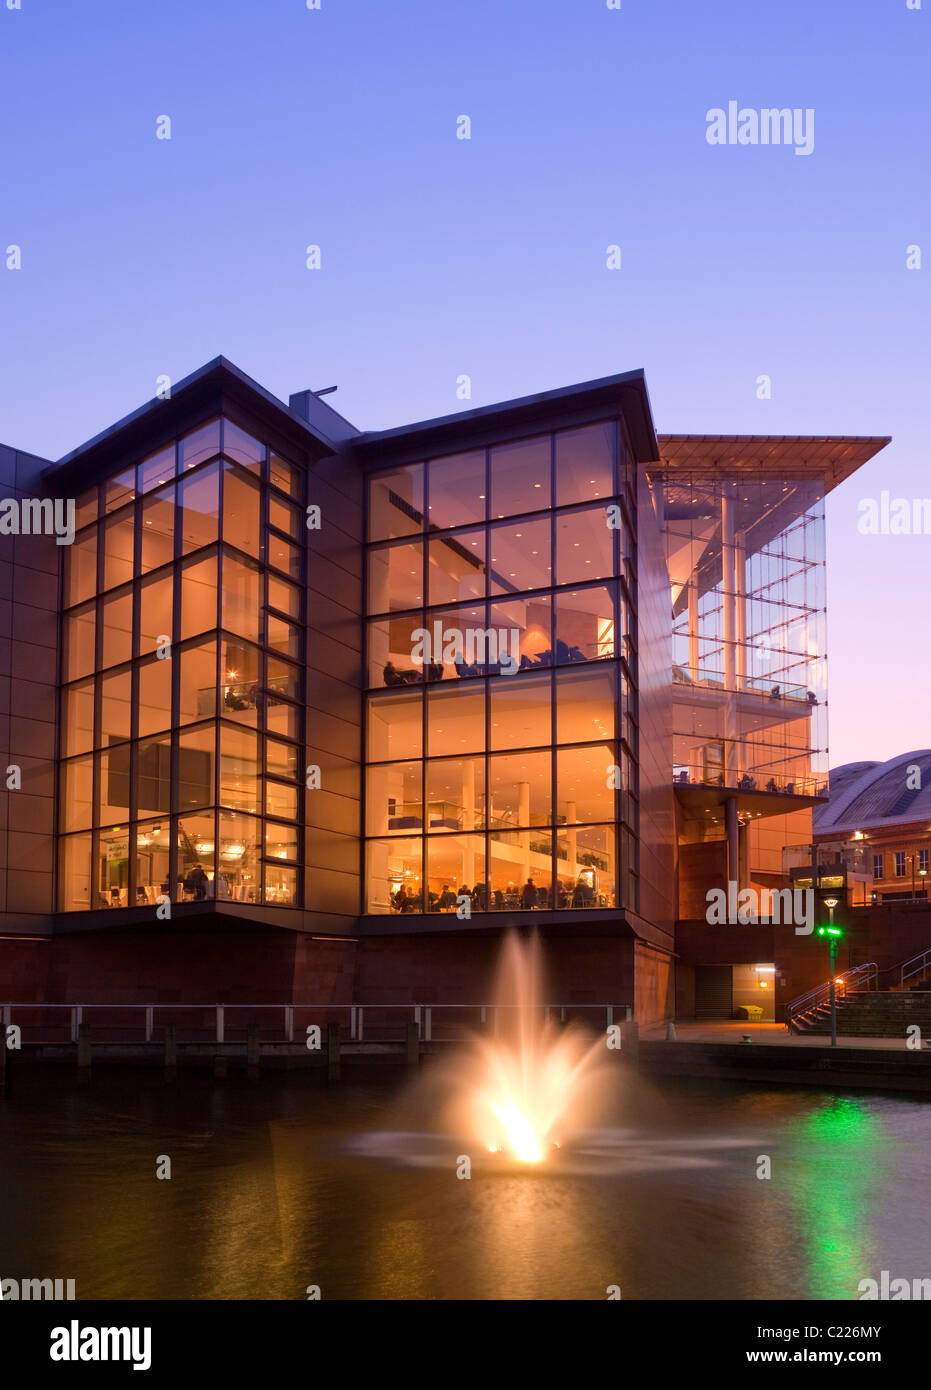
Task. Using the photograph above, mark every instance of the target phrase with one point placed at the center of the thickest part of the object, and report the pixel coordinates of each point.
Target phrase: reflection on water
(289, 1183)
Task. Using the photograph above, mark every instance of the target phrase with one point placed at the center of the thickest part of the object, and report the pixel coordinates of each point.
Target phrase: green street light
(832, 933)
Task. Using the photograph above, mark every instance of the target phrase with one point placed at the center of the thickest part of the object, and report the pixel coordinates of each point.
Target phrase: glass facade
(746, 562)
(501, 716)
(182, 669)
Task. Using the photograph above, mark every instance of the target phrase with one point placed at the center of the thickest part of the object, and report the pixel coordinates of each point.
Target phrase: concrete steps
(881, 1014)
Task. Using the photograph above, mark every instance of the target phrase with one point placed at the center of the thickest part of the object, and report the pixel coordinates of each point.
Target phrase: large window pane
(242, 448)
(78, 638)
(77, 794)
(238, 866)
(284, 680)
(281, 885)
(85, 509)
(396, 502)
(521, 712)
(239, 763)
(155, 613)
(284, 597)
(198, 699)
(118, 549)
(393, 875)
(457, 490)
(519, 790)
(81, 568)
(520, 477)
(116, 705)
(196, 749)
(199, 499)
(157, 469)
(114, 786)
(456, 567)
(283, 555)
(284, 475)
(585, 464)
(391, 643)
(455, 865)
(111, 873)
(584, 546)
(583, 783)
(586, 867)
(119, 490)
(283, 719)
(283, 637)
(116, 617)
(394, 799)
(201, 444)
(153, 774)
(281, 841)
(199, 597)
(74, 873)
(519, 556)
(395, 726)
(531, 620)
(455, 794)
(77, 714)
(154, 697)
(240, 682)
(157, 534)
(242, 585)
(395, 577)
(152, 844)
(456, 720)
(281, 759)
(240, 511)
(585, 625)
(520, 871)
(585, 704)
(285, 518)
(194, 836)
(280, 800)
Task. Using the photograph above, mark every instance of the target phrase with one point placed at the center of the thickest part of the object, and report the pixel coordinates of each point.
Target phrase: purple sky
(487, 257)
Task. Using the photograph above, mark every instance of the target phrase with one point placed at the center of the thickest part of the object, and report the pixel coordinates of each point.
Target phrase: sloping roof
(864, 795)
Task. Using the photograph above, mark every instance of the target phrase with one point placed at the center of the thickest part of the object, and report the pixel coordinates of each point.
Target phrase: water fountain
(528, 1085)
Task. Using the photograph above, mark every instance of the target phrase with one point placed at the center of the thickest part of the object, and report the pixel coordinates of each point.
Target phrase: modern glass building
(296, 693)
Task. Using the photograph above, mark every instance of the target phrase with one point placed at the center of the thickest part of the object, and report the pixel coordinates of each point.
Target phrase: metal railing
(859, 978)
(221, 1024)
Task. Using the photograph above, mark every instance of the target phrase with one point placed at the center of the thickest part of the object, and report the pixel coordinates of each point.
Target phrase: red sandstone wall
(169, 967)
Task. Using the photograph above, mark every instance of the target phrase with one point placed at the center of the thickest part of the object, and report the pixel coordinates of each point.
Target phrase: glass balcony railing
(765, 687)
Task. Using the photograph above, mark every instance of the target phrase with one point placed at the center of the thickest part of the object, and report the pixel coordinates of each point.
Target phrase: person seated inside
(434, 671)
(528, 895)
(447, 898)
(584, 894)
(776, 692)
(400, 900)
(498, 900)
(771, 784)
(196, 883)
(391, 674)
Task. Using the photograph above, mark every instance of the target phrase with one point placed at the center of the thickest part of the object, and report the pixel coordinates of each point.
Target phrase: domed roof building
(886, 808)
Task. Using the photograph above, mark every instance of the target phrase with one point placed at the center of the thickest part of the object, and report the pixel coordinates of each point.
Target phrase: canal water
(286, 1184)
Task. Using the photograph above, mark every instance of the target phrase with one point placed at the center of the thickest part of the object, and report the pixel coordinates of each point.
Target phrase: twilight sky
(487, 256)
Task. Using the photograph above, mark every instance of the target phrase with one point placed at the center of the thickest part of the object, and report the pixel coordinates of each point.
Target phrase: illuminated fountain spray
(533, 1083)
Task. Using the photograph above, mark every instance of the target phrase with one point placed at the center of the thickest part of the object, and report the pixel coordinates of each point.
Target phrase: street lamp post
(832, 933)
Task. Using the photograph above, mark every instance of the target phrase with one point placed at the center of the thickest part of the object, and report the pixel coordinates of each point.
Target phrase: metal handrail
(821, 993)
(421, 1014)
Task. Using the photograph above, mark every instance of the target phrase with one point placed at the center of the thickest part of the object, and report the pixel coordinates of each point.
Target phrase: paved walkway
(771, 1033)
